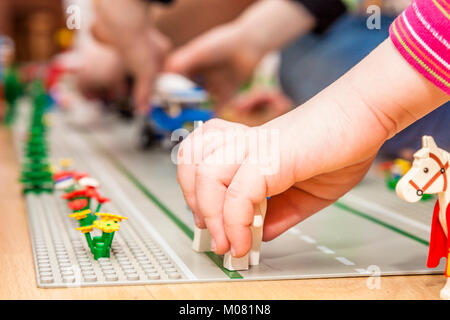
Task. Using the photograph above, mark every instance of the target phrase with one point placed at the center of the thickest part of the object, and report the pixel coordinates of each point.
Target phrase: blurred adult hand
(126, 25)
(100, 69)
(224, 58)
(221, 60)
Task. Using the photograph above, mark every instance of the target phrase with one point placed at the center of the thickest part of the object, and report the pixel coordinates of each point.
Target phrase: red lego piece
(78, 204)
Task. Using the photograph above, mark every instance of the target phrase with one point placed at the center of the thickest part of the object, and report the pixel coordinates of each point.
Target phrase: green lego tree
(12, 92)
(36, 172)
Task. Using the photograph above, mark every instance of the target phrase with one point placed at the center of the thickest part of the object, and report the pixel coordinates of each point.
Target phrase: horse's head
(427, 174)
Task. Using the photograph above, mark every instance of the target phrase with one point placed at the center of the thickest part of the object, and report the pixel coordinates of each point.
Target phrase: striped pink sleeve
(422, 35)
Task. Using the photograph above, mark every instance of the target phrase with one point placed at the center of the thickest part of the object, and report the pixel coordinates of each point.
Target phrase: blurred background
(255, 59)
(33, 25)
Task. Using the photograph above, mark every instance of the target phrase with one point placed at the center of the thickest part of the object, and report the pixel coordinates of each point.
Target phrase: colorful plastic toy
(80, 192)
(66, 179)
(177, 104)
(429, 175)
(10, 84)
(396, 169)
(202, 242)
(36, 170)
(100, 245)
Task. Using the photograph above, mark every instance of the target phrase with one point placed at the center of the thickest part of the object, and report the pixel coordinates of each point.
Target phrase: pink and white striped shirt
(422, 35)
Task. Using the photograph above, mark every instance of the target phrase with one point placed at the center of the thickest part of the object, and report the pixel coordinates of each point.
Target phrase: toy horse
(202, 242)
(429, 175)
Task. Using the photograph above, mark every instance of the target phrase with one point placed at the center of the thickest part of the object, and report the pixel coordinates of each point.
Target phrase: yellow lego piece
(80, 214)
(65, 163)
(54, 168)
(404, 165)
(48, 120)
(111, 216)
(86, 229)
(107, 225)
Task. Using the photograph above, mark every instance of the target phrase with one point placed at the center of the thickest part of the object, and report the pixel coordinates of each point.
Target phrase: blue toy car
(178, 103)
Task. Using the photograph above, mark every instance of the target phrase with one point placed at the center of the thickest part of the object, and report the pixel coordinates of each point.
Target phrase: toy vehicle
(177, 104)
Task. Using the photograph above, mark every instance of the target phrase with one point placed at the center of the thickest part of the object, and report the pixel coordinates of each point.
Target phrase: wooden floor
(17, 280)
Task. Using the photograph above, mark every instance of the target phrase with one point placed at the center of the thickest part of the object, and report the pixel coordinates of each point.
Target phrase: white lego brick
(257, 233)
(89, 182)
(202, 240)
(235, 264)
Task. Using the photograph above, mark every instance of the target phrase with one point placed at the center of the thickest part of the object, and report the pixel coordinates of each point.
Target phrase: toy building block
(13, 90)
(36, 176)
(100, 246)
(84, 217)
(65, 163)
(235, 264)
(429, 175)
(252, 257)
(73, 175)
(89, 182)
(64, 184)
(257, 233)
(36, 172)
(79, 201)
(78, 204)
(178, 102)
(202, 240)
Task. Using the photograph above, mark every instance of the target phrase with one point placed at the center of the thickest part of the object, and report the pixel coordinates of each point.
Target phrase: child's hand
(312, 171)
(318, 151)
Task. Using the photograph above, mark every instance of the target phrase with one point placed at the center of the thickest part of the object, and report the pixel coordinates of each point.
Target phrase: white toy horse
(202, 242)
(429, 174)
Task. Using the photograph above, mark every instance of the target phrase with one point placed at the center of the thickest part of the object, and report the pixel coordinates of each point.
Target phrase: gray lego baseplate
(368, 232)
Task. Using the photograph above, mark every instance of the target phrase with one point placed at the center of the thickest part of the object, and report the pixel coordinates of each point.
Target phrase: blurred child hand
(319, 151)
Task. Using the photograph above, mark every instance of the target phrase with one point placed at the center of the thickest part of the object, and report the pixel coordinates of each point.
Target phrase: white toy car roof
(175, 88)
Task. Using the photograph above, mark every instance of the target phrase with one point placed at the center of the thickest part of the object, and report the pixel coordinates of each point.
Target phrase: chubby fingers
(199, 145)
(245, 192)
(211, 183)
